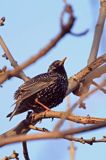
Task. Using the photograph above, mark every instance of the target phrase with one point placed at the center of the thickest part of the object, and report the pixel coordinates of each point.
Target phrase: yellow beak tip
(62, 62)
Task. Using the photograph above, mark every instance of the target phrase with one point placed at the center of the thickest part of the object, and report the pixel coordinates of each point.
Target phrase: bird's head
(57, 66)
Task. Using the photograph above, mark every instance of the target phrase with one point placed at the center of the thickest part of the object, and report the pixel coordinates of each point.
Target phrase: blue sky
(29, 26)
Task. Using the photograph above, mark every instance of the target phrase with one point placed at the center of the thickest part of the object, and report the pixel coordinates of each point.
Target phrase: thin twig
(79, 34)
(38, 129)
(9, 56)
(87, 141)
(98, 86)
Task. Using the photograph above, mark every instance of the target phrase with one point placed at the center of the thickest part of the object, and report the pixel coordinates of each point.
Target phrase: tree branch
(87, 141)
(23, 126)
(9, 56)
(49, 135)
(25, 150)
(81, 76)
(98, 32)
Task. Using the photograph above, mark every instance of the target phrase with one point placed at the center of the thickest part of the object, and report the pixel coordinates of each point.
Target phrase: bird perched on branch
(43, 91)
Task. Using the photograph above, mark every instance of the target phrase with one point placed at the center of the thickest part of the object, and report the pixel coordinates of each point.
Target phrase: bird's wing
(34, 85)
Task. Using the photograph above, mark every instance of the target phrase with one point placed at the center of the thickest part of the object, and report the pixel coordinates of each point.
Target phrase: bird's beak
(62, 62)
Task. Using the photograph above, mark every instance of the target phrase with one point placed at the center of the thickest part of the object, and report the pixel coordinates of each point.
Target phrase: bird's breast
(53, 95)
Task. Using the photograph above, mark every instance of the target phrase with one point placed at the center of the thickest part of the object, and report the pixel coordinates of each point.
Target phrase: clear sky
(29, 26)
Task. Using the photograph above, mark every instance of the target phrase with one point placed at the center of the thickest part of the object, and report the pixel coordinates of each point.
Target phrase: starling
(43, 91)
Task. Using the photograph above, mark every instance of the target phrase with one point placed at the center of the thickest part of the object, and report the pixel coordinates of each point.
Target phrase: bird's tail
(18, 110)
(10, 115)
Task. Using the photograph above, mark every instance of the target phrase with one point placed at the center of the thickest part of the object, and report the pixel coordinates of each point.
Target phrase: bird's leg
(42, 105)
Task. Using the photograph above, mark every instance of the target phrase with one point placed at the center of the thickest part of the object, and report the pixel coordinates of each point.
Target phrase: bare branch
(23, 126)
(9, 56)
(38, 129)
(98, 86)
(83, 141)
(98, 72)
(49, 135)
(79, 34)
(25, 150)
(81, 76)
(98, 33)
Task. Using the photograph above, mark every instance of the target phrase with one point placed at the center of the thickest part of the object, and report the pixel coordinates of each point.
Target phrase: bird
(42, 92)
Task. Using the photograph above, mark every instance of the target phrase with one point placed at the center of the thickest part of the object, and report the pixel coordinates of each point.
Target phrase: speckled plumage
(49, 88)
